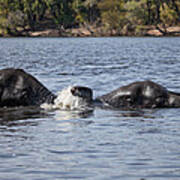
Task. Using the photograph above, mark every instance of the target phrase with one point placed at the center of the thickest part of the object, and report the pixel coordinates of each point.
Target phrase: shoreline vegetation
(89, 18)
(98, 32)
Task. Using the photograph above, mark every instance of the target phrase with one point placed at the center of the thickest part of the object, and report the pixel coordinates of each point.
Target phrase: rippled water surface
(105, 144)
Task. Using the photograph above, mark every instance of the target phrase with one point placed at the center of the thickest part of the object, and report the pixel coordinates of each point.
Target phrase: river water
(105, 144)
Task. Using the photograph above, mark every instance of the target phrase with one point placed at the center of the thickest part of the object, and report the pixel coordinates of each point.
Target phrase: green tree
(80, 12)
(33, 10)
(92, 10)
(10, 16)
(137, 12)
(86, 11)
(61, 12)
(112, 14)
(19, 16)
(16, 15)
(168, 15)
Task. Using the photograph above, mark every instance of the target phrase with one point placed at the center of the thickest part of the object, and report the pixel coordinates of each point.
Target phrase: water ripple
(105, 144)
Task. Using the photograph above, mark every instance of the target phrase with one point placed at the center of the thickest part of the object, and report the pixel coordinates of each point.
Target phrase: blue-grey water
(105, 144)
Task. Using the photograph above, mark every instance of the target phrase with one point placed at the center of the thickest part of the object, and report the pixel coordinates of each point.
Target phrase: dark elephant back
(20, 88)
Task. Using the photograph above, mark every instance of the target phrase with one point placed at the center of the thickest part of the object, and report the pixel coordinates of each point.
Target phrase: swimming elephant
(144, 94)
(18, 88)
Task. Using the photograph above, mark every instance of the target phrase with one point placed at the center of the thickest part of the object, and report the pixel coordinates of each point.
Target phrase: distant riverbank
(91, 31)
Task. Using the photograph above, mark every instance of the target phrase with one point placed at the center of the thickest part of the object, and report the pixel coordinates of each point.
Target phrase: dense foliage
(17, 16)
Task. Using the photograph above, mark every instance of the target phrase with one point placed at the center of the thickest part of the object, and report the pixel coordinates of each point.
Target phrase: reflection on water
(67, 115)
(9, 115)
(68, 119)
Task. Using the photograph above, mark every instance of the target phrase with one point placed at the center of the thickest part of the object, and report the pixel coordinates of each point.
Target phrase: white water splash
(67, 101)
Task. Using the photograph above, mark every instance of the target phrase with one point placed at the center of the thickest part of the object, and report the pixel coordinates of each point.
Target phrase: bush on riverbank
(89, 17)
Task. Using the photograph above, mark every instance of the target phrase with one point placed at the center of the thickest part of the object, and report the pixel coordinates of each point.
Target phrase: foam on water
(67, 101)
